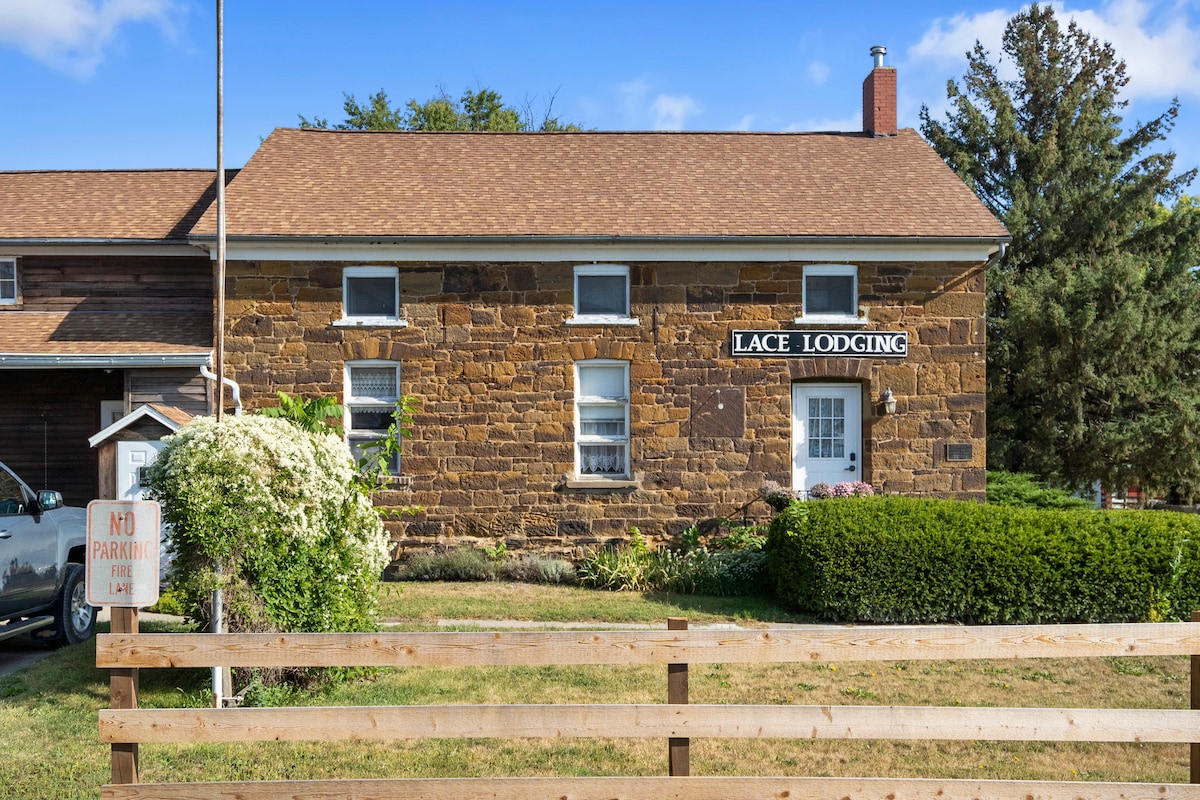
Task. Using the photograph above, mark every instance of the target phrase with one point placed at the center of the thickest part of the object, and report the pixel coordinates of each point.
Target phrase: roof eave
(610, 248)
(102, 361)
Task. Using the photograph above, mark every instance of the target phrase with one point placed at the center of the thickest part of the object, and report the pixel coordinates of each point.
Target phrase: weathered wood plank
(654, 788)
(647, 721)
(800, 644)
(123, 694)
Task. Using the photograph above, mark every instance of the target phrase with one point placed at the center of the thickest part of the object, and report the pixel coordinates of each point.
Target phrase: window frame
(601, 401)
(828, 318)
(350, 273)
(15, 300)
(351, 402)
(601, 270)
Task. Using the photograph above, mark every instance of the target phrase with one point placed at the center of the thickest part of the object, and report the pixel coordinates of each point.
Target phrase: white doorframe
(826, 433)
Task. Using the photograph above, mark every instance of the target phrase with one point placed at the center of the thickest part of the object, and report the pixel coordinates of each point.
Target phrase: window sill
(845, 322)
(603, 484)
(370, 323)
(602, 321)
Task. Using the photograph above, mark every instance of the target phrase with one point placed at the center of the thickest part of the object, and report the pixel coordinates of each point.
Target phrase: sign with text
(877, 344)
(122, 552)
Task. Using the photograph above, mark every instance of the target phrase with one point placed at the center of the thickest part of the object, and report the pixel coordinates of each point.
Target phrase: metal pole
(220, 278)
(218, 690)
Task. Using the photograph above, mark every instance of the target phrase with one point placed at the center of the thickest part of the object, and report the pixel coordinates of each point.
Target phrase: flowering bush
(270, 514)
(820, 491)
(852, 489)
(778, 497)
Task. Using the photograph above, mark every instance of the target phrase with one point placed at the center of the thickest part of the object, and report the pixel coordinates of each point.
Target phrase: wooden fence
(124, 726)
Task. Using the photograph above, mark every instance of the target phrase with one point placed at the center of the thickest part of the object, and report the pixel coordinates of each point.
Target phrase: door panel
(826, 433)
(133, 457)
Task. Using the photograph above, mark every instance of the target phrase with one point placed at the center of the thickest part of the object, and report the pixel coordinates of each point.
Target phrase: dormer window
(371, 296)
(830, 294)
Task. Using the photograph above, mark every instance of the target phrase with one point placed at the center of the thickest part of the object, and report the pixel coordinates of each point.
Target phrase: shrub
(268, 513)
(1022, 490)
(895, 559)
(778, 497)
(733, 565)
(537, 569)
(459, 564)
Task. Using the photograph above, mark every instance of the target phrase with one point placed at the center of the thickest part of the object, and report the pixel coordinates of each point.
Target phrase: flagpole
(217, 610)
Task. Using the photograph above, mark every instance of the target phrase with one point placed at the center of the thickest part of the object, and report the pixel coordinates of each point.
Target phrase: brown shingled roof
(78, 333)
(404, 183)
(109, 204)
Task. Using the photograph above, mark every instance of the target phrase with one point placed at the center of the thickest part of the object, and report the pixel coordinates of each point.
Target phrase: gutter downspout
(991, 262)
(231, 383)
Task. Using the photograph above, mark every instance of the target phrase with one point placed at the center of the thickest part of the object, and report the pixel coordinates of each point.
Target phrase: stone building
(609, 330)
(601, 330)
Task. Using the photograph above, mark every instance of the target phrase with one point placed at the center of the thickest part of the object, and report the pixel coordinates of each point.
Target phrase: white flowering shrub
(272, 515)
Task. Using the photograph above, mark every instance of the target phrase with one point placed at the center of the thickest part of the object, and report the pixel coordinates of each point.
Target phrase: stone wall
(489, 357)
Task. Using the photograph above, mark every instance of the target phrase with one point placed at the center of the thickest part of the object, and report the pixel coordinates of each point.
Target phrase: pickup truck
(42, 548)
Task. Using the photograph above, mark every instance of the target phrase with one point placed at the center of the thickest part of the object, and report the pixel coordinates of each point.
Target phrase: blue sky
(131, 83)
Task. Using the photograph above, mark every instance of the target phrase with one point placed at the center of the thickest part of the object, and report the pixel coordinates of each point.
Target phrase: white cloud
(1160, 53)
(71, 35)
(663, 113)
(818, 72)
(1156, 41)
(744, 123)
(633, 96)
(670, 113)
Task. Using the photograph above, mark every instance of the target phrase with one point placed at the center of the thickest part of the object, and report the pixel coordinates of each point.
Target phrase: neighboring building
(104, 306)
(607, 330)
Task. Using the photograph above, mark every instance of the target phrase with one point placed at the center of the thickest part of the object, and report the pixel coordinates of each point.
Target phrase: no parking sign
(122, 552)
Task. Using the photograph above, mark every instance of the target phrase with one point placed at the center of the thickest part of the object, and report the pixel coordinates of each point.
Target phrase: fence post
(123, 688)
(678, 748)
(1195, 746)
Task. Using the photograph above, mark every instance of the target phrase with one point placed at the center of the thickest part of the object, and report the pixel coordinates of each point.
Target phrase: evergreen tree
(1093, 328)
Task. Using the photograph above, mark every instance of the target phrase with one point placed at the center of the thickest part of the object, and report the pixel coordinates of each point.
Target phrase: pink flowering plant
(851, 489)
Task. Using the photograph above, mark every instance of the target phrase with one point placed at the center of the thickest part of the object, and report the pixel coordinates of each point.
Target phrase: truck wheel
(75, 620)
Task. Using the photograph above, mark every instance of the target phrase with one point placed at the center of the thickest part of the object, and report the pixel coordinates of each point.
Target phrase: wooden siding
(46, 417)
(185, 388)
(158, 284)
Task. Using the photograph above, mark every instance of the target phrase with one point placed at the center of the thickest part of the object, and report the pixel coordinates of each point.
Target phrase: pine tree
(1093, 324)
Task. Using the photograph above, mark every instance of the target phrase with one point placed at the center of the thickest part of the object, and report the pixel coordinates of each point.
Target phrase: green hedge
(907, 560)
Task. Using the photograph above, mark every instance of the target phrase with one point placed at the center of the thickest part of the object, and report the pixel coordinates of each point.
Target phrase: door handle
(5, 535)
(850, 468)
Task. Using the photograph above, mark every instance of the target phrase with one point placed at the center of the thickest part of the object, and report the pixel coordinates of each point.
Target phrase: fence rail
(125, 726)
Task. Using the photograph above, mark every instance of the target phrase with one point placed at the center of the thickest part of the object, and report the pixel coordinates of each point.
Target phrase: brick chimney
(879, 97)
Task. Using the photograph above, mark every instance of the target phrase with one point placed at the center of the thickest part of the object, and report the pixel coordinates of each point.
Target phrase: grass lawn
(427, 602)
(48, 713)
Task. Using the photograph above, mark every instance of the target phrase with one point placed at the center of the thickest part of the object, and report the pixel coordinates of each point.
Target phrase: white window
(371, 296)
(8, 281)
(831, 293)
(372, 391)
(602, 419)
(602, 295)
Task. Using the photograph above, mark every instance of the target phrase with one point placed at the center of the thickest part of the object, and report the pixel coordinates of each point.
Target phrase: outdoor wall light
(889, 402)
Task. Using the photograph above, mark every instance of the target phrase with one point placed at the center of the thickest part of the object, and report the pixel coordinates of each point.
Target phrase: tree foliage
(307, 415)
(1093, 334)
(479, 110)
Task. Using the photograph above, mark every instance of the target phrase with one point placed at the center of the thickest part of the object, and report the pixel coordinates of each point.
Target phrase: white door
(826, 433)
(133, 458)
